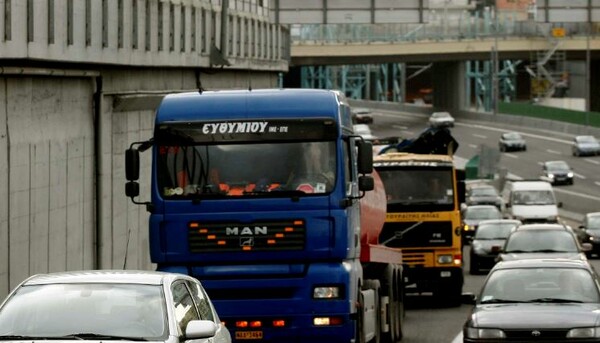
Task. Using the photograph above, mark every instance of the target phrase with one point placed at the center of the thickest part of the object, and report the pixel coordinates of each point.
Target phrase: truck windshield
(247, 169)
(418, 186)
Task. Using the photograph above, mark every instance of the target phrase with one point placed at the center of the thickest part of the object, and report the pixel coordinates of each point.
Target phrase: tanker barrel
(373, 207)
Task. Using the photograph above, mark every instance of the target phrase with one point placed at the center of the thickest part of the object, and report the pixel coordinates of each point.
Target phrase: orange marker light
(211, 236)
(279, 323)
(271, 241)
(246, 248)
(279, 235)
(241, 324)
(289, 229)
(255, 324)
(298, 222)
(194, 225)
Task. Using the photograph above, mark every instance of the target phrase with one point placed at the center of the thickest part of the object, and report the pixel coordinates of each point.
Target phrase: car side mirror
(198, 329)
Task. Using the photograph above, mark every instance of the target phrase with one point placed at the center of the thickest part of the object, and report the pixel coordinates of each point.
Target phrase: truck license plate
(445, 274)
(248, 335)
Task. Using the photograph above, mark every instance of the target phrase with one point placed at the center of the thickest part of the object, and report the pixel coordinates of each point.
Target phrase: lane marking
(580, 176)
(474, 146)
(592, 161)
(554, 152)
(597, 183)
(458, 338)
(511, 155)
(479, 136)
(400, 127)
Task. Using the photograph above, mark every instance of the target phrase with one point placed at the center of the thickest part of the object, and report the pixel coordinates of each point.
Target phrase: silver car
(512, 141)
(441, 119)
(108, 306)
(585, 145)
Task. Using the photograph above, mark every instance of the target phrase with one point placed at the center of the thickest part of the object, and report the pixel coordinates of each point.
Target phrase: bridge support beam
(449, 85)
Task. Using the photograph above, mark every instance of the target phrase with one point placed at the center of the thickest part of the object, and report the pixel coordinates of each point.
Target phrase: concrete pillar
(449, 85)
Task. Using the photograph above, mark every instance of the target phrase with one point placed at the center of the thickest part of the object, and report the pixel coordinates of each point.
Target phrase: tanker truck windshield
(248, 164)
(418, 188)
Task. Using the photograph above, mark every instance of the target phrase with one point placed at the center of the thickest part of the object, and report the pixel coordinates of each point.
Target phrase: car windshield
(544, 285)
(512, 136)
(593, 223)
(482, 213)
(441, 115)
(494, 231)
(541, 241)
(483, 191)
(90, 309)
(557, 166)
(586, 139)
(533, 198)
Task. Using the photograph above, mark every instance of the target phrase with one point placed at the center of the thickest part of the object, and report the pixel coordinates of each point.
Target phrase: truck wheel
(376, 286)
(395, 312)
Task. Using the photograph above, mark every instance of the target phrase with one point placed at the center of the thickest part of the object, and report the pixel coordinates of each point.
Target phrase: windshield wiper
(500, 301)
(28, 338)
(554, 300)
(88, 335)
(551, 250)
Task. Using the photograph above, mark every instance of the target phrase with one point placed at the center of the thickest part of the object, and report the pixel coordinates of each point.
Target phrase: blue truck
(270, 199)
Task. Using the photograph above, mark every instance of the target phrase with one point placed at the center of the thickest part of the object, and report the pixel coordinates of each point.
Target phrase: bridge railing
(182, 33)
(457, 29)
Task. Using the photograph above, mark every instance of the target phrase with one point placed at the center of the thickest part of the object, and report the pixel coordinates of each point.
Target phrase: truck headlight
(466, 227)
(484, 333)
(326, 292)
(445, 259)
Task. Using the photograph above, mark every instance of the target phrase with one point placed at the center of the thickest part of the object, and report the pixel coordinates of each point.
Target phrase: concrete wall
(62, 178)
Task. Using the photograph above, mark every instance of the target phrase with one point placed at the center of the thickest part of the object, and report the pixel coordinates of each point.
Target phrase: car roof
(541, 226)
(543, 263)
(482, 206)
(103, 276)
(556, 162)
(500, 221)
(530, 185)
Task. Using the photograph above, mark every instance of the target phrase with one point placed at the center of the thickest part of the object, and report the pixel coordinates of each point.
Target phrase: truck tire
(393, 288)
(376, 286)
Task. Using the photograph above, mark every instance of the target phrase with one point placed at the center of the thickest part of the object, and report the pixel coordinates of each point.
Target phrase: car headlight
(484, 333)
(551, 176)
(552, 219)
(570, 174)
(326, 292)
(584, 333)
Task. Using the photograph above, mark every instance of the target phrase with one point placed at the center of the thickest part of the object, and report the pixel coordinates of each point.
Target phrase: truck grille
(417, 234)
(258, 236)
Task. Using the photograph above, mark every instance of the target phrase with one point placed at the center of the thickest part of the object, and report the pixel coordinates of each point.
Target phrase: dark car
(543, 241)
(488, 242)
(589, 232)
(549, 300)
(482, 194)
(585, 145)
(557, 172)
(472, 215)
(512, 141)
(361, 116)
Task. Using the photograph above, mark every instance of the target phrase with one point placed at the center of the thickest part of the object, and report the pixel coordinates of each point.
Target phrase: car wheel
(473, 268)
(525, 148)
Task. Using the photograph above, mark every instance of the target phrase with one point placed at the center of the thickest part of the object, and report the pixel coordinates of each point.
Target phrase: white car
(441, 119)
(108, 306)
(364, 131)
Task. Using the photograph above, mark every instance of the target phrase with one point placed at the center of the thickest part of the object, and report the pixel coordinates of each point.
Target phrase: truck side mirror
(365, 157)
(132, 189)
(132, 164)
(366, 183)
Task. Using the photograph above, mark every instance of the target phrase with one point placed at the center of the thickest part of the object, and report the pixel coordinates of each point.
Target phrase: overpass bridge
(80, 79)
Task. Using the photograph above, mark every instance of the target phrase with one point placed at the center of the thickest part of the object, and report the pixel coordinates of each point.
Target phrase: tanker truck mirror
(366, 183)
(132, 164)
(132, 189)
(365, 157)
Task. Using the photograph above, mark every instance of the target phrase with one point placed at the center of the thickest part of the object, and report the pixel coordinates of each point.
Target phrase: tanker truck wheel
(395, 311)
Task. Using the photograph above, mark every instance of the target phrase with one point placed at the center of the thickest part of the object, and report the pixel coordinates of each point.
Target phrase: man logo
(237, 231)
(536, 333)
(247, 242)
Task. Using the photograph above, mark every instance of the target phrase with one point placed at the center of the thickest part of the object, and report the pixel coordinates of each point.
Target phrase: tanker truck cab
(257, 193)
